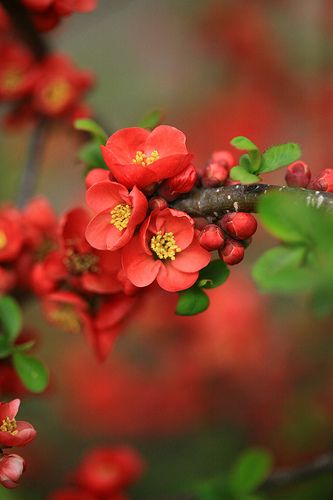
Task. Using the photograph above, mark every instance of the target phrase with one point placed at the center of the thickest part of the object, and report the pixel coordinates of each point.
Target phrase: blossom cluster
(16, 433)
(104, 473)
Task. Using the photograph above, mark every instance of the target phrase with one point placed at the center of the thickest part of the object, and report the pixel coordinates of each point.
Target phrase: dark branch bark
(30, 169)
(23, 24)
(213, 202)
(319, 466)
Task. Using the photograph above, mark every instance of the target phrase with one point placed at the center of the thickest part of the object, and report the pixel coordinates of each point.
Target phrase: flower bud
(232, 253)
(324, 181)
(11, 468)
(150, 189)
(184, 181)
(239, 225)
(214, 175)
(200, 222)
(157, 202)
(165, 192)
(211, 237)
(97, 175)
(298, 174)
(223, 158)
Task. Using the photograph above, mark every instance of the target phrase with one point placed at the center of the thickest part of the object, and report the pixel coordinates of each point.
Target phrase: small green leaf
(10, 317)
(26, 346)
(279, 156)
(91, 154)
(87, 125)
(280, 270)
(241, 142)
(250, 470)
(192, 301)
(213, 275)
(6, 348)
(31, 371)
(151, 120)
(242, 175)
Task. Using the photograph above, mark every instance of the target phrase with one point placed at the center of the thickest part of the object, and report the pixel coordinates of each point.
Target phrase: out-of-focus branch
(213, 202)
(23, 24)
(30, 169)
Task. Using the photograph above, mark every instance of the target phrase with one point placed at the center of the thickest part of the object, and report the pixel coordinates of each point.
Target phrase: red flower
(97, 175)
(12, 432)
(138, 157)
(167, 250)
(71, 494)
(17, 72)
(11, 239)
(60, 86)
(11, 469)
(67, 311)
(118, 214)
(105, 471)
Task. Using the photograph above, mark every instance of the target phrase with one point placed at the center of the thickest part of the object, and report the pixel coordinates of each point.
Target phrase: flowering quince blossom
(11, 239)
(138, 157)
(11, 469)
(166, 249)
(14, 432)
(17, 72)
(118, 214)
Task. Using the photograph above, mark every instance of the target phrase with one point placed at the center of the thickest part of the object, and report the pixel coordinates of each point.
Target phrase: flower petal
(172, 280)
(140, 268)
(192, 259)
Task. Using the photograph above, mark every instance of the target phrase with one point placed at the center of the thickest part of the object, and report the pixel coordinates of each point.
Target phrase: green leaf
(241, 142)
(280, 270)
(91, 154)
(287, 217)
(6, 348)
(242, 175)
(250, 470)
(10, 317)
(31, 371)
(87, 125)
(279, 156)
(26, 346)
(213, 275)
(192, 301)
(151, 120)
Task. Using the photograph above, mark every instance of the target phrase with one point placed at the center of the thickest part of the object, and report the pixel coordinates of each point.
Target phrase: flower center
(164, 246)
(11, 79)
(120, 216)
(56, 94)
(79, 263)
(142, 159)
(9, 425)
(3, 240)
(66, 318)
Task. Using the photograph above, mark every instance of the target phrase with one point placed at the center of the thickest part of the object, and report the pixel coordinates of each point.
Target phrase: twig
(30, 169)
(215, 201)
(23, 23)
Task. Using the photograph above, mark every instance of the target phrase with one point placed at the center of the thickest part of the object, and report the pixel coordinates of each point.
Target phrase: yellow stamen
(9, 425)
(57, 93)
(120, 216)
(142, 159)
(3, 240)
(78, 263)
(164, 245)
(11, 80)
(66, 318)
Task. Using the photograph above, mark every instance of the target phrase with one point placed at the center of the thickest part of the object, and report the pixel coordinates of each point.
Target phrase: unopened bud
(184, 181)
(324, 181)
(200, 222)
(232, 253)
(224, 158)
(11, 469)
(211, 237)
(157, 202)
(298, 174)
(239, 225)
(214, 175)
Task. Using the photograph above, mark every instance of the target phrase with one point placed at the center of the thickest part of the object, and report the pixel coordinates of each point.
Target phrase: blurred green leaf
(250, 470)
(31, 371)
(240, 174)
(213, 275)
(280, 270)
(152, 119)
(241, 142)
(6, 348)
(26, 346)
(279, 156)
(10, 317)
(91, 155)
(192, 301)
(87, 125)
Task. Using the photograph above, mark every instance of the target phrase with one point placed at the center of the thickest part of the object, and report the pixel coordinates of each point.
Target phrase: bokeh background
(190, 394)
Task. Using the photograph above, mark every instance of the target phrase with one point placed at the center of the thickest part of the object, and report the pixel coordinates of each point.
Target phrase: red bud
(298, 174)
(239, 225)
(211, 237)
(184, 181)
(232, 253)
(324, 181)
(224, 158)
(200, 222)
(157, 202)
(214, 175)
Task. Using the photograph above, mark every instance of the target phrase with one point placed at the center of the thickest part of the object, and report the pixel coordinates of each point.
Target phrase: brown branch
(23, 24)
(213, 202)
